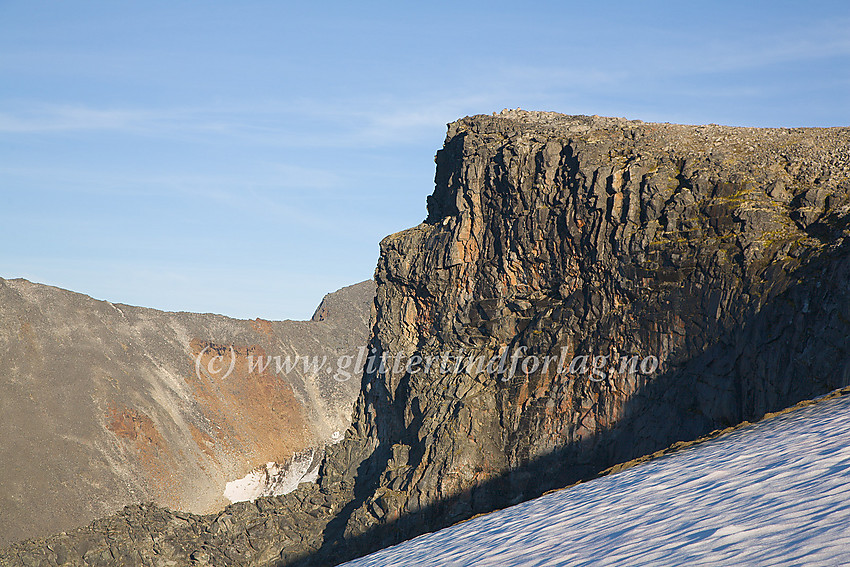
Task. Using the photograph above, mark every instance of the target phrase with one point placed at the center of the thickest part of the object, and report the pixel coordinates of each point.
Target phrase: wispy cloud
(313, 123)
(37, 118)
(367, 120)
(825, 41)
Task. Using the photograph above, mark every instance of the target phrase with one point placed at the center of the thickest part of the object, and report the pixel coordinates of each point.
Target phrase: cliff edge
(678, 279)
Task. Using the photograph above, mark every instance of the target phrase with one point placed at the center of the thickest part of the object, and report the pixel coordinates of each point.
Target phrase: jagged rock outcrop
(718, 255)
(719, 251)
(104, 405)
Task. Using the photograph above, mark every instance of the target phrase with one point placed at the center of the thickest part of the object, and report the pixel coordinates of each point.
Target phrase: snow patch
(275, 479)
(773, 493)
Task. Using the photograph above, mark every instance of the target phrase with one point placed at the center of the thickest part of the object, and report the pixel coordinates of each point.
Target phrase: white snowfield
(774, 493)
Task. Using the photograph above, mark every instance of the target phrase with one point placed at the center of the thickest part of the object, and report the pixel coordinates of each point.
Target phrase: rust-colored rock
(722, 253)
(104, 405)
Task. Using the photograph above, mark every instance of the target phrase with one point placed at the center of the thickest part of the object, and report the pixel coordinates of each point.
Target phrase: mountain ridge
(722, 252)
(105, 404)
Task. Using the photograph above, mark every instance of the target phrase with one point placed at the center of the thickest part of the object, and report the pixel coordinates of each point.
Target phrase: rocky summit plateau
(679, 280)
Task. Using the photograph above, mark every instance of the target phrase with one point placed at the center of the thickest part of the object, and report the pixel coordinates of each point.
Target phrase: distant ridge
(101, 404)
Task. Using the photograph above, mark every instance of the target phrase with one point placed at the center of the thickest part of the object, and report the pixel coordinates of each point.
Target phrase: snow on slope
(774, 493)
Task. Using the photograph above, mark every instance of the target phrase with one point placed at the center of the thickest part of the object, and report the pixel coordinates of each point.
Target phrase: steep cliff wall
(716, 255)
(719, 251)
(103, 405)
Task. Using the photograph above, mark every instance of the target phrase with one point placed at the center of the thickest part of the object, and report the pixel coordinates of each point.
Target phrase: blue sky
(246, 158)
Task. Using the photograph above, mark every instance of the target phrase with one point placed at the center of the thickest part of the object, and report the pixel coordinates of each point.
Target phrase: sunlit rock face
(719, 252)
(717, 255)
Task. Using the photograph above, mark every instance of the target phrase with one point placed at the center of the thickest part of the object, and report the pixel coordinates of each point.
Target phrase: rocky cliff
(624, 286)
(103, 405)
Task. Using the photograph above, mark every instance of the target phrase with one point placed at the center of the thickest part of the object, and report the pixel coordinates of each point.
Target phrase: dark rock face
(104, 405)
(719, 253)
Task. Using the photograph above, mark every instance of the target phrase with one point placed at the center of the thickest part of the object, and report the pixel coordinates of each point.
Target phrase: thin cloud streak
(282, 123)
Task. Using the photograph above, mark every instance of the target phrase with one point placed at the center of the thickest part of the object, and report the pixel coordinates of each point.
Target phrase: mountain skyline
(246, 160)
